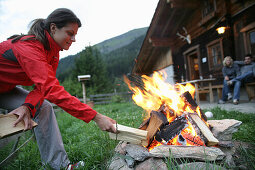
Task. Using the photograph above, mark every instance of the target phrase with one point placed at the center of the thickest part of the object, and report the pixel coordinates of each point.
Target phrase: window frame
(246, 30)
(209, 47)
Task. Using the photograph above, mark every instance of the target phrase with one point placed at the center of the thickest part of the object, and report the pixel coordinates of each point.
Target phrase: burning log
(193, 140)
(192, 103)
(168, 132)
(211, 140)
(132, 135)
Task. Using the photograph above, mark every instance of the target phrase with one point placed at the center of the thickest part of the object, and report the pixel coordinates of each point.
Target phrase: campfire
(173, 117)
(174, 126)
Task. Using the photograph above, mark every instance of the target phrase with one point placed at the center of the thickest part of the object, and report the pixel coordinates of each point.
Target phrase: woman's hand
(105, 123)
(23, 113)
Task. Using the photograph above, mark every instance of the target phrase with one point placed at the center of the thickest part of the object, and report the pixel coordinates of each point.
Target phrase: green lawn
(86, 142)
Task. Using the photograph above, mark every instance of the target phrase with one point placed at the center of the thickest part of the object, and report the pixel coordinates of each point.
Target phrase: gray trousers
(47, 133)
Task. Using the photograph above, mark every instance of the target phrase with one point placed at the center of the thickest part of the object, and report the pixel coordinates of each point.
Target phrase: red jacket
(27, 63)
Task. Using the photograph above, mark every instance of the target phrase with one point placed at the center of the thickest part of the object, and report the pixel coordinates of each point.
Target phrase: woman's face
(65, 35)
(228, 62)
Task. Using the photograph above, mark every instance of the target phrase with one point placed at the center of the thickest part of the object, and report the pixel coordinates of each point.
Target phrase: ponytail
(37, 28)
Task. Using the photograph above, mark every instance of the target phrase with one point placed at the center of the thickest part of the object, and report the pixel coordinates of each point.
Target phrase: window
(215, 55)
(251, 42)
(208, 11)
(209, 7)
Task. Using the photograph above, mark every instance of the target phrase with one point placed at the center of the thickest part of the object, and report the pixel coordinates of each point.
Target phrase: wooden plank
(129, 134)
(211, 140)
(6, 125)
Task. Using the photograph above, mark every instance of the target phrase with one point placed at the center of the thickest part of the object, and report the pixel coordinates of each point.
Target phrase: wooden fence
(110, 97)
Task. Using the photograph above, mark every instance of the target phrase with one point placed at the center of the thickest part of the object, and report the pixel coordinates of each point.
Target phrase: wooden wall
(202, 34)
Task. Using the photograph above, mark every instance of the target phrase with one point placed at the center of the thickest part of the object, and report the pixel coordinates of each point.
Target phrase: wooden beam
(191, 4)
(129, 134)
(6, 125)
(211, 140)
(161, 42)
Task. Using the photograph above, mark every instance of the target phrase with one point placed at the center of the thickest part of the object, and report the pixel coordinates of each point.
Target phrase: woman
(229, 71)
(32, 59)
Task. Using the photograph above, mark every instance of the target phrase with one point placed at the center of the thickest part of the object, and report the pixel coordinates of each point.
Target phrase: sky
(101, 19)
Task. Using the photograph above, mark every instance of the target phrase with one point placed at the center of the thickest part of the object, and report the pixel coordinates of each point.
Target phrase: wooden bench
(250, 89)
(217, 87)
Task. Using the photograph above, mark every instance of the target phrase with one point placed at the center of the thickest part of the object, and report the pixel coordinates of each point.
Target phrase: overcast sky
(101, 19)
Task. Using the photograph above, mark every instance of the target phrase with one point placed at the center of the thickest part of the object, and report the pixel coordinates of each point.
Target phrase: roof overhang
(169, 17)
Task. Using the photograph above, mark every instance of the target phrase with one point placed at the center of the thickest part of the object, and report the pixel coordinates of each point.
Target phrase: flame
(156, 93)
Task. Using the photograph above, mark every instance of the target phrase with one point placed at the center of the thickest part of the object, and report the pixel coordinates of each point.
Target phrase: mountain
(122, 40)
(118, 52)
(121, 61)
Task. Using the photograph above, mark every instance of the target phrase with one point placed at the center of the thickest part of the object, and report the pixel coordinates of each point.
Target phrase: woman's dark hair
(61, 17)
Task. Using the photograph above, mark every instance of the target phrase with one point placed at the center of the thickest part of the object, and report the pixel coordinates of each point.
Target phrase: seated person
(229, 71)
(247, 70)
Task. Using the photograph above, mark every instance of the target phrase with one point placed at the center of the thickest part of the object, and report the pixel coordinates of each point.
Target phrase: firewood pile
(135, 156)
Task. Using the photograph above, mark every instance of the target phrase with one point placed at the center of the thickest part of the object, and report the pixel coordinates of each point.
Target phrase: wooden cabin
(182, 38)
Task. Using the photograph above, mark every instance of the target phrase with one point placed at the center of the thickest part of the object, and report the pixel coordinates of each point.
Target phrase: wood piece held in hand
(6, 125)
(211, 140)
(129, 134)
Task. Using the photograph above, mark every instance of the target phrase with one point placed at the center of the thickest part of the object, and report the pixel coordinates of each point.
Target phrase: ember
(172, 114)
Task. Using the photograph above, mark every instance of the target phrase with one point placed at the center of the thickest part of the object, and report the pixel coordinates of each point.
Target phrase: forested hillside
(120, 61)
(106, 69)
(112, 44)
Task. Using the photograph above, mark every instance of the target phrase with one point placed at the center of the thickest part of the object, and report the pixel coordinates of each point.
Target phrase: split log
(131, 135)
(194, 152)
(6, 125)
(157, 120)
(211, 140)
(145, 124)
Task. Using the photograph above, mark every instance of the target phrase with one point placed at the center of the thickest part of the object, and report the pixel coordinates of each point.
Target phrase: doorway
(193, 65)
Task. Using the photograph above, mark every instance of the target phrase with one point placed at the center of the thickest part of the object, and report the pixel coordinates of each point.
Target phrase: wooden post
(197, 93)
(82, 79)
(210, 92)
(84, 92)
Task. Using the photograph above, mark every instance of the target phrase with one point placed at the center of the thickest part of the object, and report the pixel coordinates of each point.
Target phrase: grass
(88, 143)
